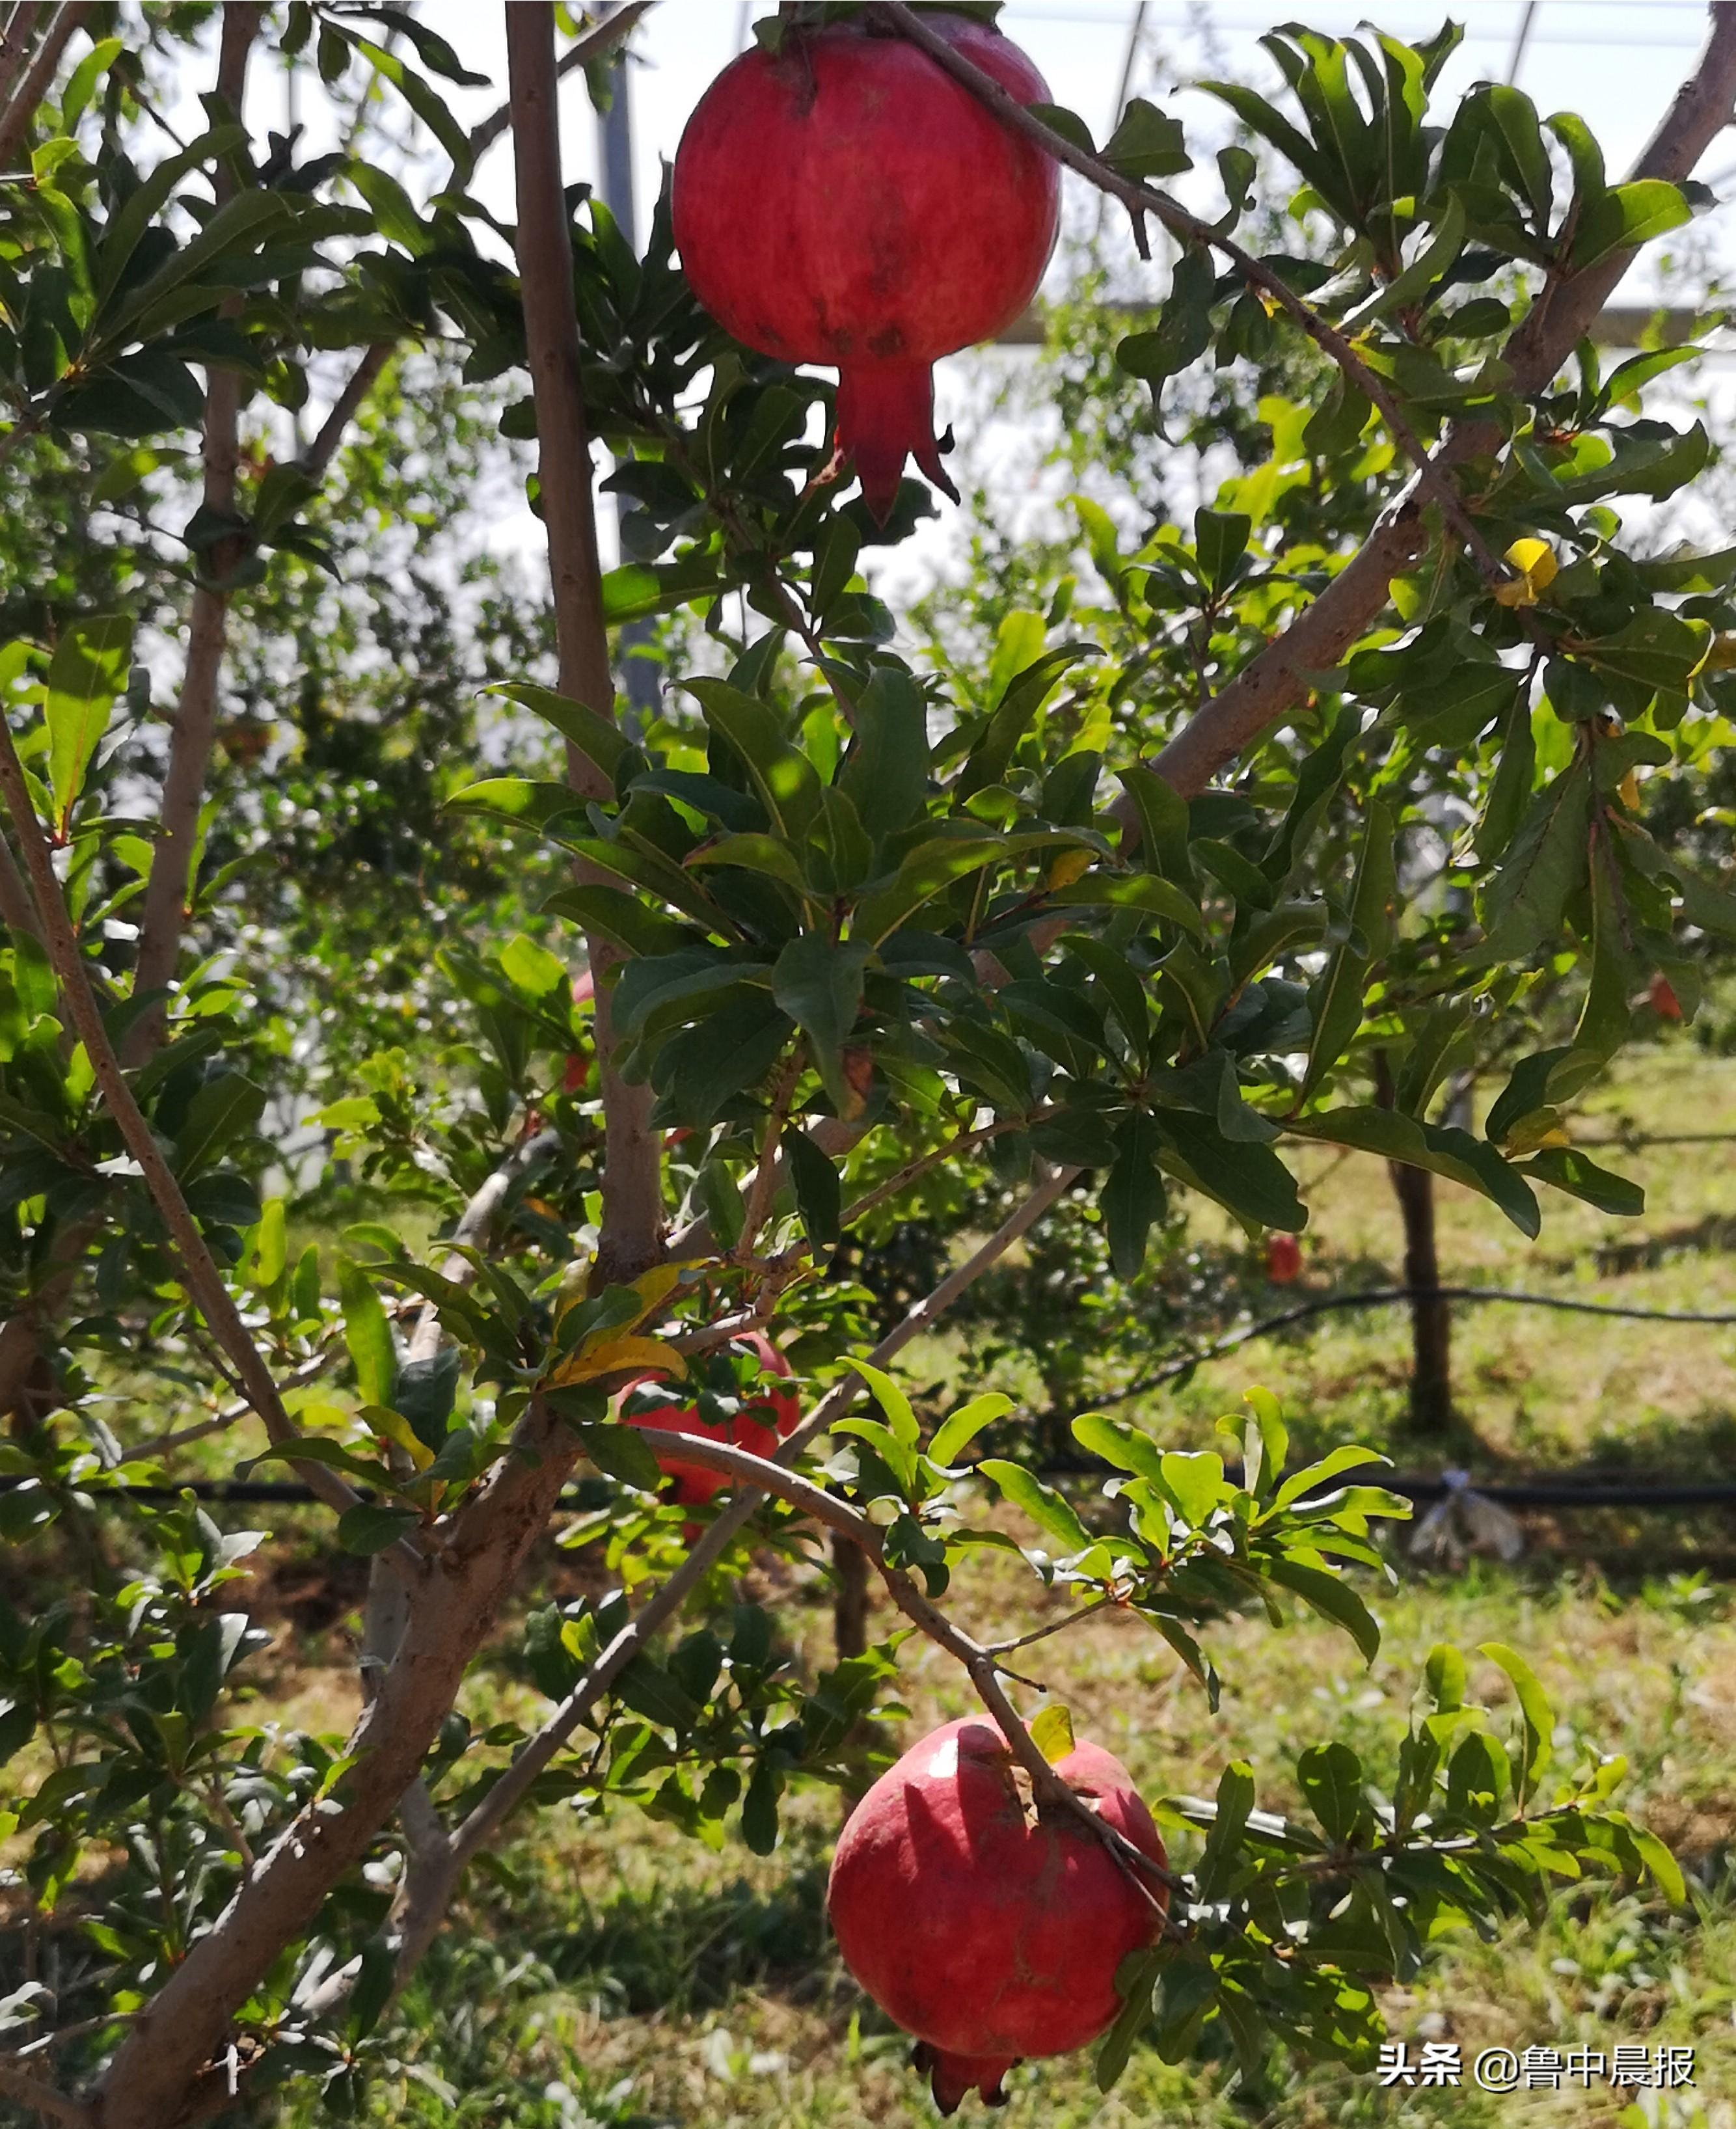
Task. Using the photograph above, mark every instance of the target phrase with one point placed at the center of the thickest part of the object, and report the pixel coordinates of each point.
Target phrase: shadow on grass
(679, 1947)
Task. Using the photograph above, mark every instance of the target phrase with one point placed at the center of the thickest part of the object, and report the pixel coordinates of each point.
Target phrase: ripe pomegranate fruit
(846, 201)
(758, 1427)
(1283, 1259)
(989, 1930)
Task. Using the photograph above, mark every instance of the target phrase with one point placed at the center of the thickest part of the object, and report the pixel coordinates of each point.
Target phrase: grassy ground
(614, 1974)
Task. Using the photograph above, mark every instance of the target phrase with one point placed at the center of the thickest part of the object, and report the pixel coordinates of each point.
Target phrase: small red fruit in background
(1665, 1003)
(844, 201)
(1283, 1259)
(766, 1417)
(990, 1931)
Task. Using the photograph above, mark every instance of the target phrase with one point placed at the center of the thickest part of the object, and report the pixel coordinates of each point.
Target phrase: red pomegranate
(1664, 1001)
(989, 1930)
(1283, 1259)
(782, 1412)
(846, 201)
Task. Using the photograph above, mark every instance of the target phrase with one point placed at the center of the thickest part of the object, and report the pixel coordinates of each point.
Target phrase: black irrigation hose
(1385, 1297)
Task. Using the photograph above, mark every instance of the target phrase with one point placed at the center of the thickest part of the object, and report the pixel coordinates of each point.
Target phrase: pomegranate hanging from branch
(989, 1928)
(844, 201)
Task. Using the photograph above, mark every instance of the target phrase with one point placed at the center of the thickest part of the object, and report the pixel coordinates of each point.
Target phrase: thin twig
(319, 454)
(595, 44)
(765, 1175)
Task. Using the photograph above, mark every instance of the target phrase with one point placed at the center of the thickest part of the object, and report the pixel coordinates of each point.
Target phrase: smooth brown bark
(632, 1210)
(170, 883)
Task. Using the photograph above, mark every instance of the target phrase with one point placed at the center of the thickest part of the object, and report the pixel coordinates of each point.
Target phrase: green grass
(616, 1974)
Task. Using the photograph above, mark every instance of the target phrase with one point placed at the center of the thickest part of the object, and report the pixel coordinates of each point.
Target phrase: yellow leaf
(1052, 1734)
(1628, 790)
(1069, 866)
(1537, 568)
(385, 1425)
(614, 1355)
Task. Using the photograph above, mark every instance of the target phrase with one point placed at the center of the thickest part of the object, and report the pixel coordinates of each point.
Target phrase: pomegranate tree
(988, 1927)
(843, 200)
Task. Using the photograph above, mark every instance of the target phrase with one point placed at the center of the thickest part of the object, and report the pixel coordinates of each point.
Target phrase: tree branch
(595, 44)
(204, 1282)
(417, 1922)
(1280, 676)
(632, 1222)
(319, 454)
(170, 881)
(15, 121)
(762, 1478)
(21, 23)
(46, 2100)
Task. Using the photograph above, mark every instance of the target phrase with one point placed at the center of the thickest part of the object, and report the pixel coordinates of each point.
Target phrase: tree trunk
(1431, 1314)
(850, 1608)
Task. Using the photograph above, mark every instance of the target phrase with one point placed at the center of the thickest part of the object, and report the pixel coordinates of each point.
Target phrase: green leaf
(959, 1429)
(1184, 328)
(620, 918)
(1440, 1148)
(1530, 1762)
(1052, 1734)
(782, 774)
(759, 1808)
(1195, 1481)
(818, 1193)
(1162, 814)
(1515, 120)
(1147, 143)
(1133, 1196)
(1565, 1167)
(819, 985)
(1335, 1000)
(368, 1335)
(1332, 1597)
(1521, 907)
(1625, 217)
(370, 1527)
(593, 733)
(1052, 1511)
(1220, 541)
(1314, 1477)
(226, 1106)
(1025, 694)
(1247, 1178)
(1330, 1777)
(87, 671)
(1123, 1446)
(621, 1452)
(1235, 1803)
(1134, 1979)
(891, 1401)
(885, 773)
